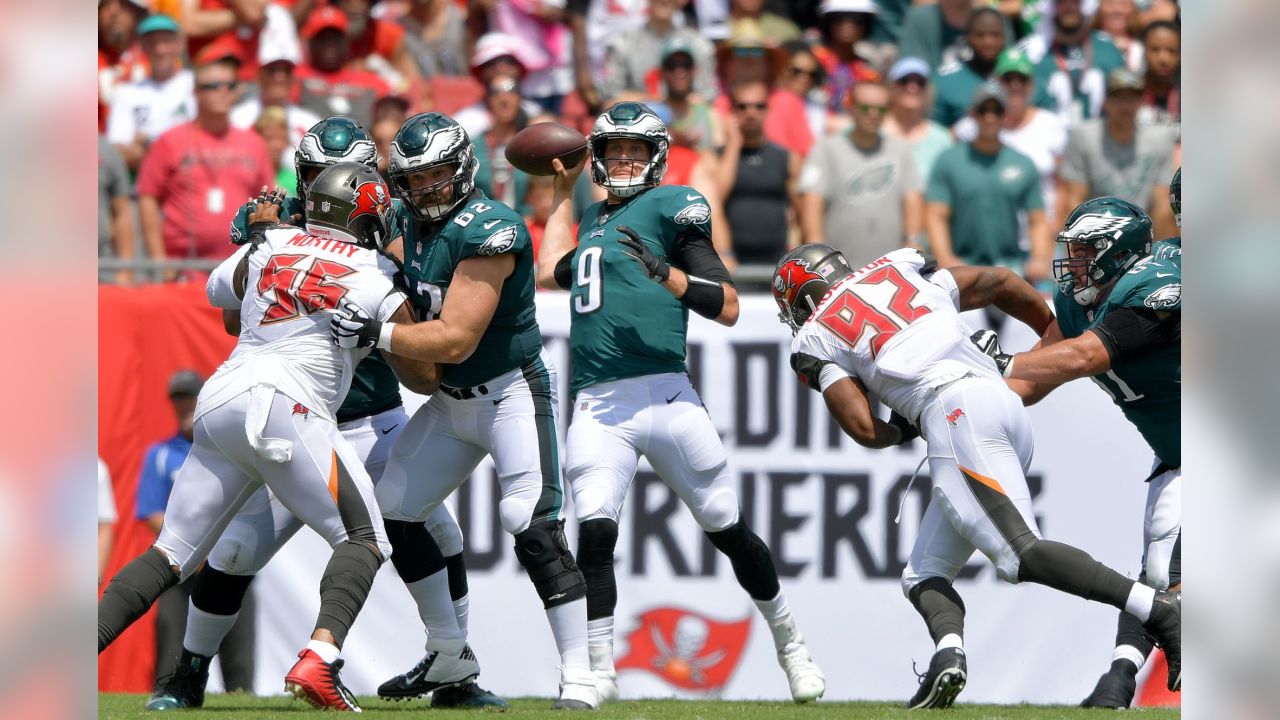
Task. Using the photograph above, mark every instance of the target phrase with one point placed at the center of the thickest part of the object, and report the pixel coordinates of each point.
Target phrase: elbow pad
(704, 297)
(1129, 332)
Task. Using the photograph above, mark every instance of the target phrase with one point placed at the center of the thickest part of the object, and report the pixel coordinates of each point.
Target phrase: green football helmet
(424, 142)
(1175, 196)
(1104, 237)
(629, 120)
(350, 202)
(332, 140)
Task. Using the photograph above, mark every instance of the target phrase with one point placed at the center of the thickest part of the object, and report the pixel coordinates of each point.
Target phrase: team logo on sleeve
(693, 215)
(371, 198)
(1164, 298)
(499, 242)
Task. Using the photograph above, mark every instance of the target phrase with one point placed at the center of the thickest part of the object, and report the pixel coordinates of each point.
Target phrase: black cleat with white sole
(434, 671)
(942, 682)
(1116, 687)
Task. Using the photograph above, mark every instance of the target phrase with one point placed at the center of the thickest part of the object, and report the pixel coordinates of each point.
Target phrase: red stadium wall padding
(145, 334)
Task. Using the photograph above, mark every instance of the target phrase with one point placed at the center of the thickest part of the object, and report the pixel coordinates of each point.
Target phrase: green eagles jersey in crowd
(374, 387)
(1148, 388)
(624, 323)
(481, 227)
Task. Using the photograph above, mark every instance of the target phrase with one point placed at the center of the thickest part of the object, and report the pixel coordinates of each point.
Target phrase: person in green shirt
(1119, 311)
(957, 81)
(644, 259)
(934, 32)
(1073, 61)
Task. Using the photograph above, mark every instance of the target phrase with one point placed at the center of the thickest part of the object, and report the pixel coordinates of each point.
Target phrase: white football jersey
(294, 281)
(897, 331)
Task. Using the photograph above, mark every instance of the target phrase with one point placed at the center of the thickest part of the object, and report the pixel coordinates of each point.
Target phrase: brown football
(533, 148)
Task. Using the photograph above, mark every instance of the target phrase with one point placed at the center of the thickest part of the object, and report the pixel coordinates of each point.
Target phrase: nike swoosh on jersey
(691, 198)
(673, 397)
(1162, 275)
(491, 223)
(388, 430)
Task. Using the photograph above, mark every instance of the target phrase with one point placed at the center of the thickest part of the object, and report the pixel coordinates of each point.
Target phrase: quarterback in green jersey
(371, 417)
(468, 270)
(1119, 311)
(643, 259)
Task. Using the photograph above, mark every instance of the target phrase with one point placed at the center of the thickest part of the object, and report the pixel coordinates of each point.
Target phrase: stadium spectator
(241, 24)
(548, 54)
(384, 131)
(956, 83)
(328, 85)
(120, 60)
(1119, 20)
(272, 126)
(693, 122)
(115, 212)
(1115, 155)
(745, 56)
(144, 110)
(435, 36)
(1072, 61)
(757, 179)
(378, 45)
(844, 24)
(1161, 92)
(1036, 133)
(776, 29)
(908, 120)
(276, 85)
(106, 517)
(159, 467)
(391, 107)
(934, 32)
(497, 177)
(976, 193)
(634, 57)
(496, 55)
(594, 24)
(195, 175)
(859, 191)
(798, 113)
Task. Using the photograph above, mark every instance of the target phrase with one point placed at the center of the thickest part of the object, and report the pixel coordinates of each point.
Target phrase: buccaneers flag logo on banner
(686, 649)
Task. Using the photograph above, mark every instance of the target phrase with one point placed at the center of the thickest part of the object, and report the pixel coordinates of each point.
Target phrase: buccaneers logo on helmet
(371, 198)
(790, 278)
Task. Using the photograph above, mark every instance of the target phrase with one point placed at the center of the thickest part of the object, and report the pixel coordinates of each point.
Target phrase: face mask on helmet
(802, 279)
(1104, 238)
(432, 166)
(629, 120)
(1175, 197)
(434, 199)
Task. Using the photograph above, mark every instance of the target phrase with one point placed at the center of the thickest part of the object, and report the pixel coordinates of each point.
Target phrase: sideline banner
(827, 509)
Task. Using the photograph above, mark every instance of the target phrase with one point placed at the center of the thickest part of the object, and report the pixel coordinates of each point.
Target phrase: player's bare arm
(557, 240)
(848, 404)
(983, 286)
(422, 377)
(1125, 333)
(467, 310)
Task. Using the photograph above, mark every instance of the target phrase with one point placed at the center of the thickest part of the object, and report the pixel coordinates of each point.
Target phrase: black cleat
(467, 695)
(185, 687)
(942, 682)
(434, 671)
(1116, 687)
(1165, 624)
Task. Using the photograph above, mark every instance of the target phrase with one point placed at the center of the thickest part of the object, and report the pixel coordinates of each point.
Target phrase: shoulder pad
(1154, 283)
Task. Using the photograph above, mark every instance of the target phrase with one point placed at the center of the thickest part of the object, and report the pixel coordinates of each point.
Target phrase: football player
(468, 270)
(370, 418)
(892, 328)
(267, 416)
(643, 259)
(1119, 311)
(1171, 248)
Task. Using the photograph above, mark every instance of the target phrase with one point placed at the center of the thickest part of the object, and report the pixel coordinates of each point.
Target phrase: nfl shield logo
(324, 206)
(418, 248)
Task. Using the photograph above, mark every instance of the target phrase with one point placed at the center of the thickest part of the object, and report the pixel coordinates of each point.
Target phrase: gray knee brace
(544, 553)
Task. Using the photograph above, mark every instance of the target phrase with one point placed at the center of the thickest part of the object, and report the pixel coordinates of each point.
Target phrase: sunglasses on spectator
(989, 109)
(751, 106)
(678, 64)
(799, 72)
(864, 107)
(917, 80)
(218, 85)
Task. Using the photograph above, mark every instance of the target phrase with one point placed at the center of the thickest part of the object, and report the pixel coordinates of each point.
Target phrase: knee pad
(234, 556)
(752, 562)
(219, 593)
(448, 535)
(457, 567)
(597, 539)
(718, 511)
(516, 512)
(414, 553)
(544, 553)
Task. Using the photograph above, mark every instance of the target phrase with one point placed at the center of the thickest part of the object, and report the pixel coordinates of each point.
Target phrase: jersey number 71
(296, 288)
(850, 316)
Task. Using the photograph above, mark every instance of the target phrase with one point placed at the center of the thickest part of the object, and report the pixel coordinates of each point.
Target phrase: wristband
(384, 336)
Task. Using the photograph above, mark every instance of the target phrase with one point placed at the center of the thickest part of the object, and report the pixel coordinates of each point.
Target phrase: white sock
(205, 630)
(600, 643)
(777, 615)
(328, 652)
(436, 610)
(461, 607)
(1139, 602)
(1130, 653)
(569, 626)
(950, 640)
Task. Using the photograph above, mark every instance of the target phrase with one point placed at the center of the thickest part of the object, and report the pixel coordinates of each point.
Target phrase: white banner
(824, 505)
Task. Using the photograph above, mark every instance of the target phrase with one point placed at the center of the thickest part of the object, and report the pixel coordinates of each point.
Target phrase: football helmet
(332, 140)
(1104, 237)
(350, 202)
(1175, 196)
(425, 141)
(802, 278)
(629, 120)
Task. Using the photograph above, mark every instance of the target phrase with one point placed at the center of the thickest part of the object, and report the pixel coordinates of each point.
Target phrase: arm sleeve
(1128, 332)
(830, 375)
(221, 286)
(696, 256)
(564, 270)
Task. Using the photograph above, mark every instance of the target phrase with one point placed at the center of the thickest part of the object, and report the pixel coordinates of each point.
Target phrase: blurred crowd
(967, 127)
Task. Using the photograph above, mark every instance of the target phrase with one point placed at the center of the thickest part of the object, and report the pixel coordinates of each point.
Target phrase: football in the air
(533, 148)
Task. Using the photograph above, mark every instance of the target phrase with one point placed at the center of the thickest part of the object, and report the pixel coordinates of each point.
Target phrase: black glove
(351, 328)
(656, 267)
(809, 369)
(908, 430)
(989, 343)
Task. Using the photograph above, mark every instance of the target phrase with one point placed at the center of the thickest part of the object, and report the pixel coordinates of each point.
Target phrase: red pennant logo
(686, 649)
(1153, 692)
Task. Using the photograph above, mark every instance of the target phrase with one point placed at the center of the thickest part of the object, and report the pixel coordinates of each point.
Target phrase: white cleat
(606, 685)
(577, 691)
(806, 680)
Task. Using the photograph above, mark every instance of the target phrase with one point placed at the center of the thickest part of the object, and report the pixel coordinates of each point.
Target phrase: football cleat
(316, 681)
(942, 682)
(577, 691)
(434, 671)
(467, 695)
(1165, 623)
(806, 680)
(606, 685)
(1116, 687)
(185, 687)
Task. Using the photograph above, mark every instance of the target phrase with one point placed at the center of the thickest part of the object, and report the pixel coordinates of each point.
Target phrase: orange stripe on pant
(333, 475)
(989, 482)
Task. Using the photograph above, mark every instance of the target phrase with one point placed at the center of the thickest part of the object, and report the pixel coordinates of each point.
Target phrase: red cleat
(317, 682)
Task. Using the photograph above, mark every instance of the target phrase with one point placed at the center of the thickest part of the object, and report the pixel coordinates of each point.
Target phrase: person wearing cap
(1032, 131)
(977, 194)
(244, 24)
(984, 37)
(159, 466)
(776, 29)
(1072, 60)
(909, 98)
(329, 84)
(634, 57)
(276, 83)
(844, 24)
(692, 122)
(497, 177)
(120, 60)
(1116, 155)
(496, 55)
(144, 110)
(547, 54)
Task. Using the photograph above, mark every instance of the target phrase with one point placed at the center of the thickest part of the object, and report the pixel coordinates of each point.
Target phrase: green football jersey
(1169, 249)
(1148, 388)
(374, 387)
(624, 324)
(481, 227)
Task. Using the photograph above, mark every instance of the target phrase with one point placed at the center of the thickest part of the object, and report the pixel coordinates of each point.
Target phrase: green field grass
(244, 707)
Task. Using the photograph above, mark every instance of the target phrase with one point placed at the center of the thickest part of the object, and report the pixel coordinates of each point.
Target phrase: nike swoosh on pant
(388, 430)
